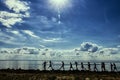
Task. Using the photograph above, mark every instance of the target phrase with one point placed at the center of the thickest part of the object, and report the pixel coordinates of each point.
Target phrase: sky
(60, 25)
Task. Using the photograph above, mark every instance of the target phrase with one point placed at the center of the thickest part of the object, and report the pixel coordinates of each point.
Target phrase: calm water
(37, 64)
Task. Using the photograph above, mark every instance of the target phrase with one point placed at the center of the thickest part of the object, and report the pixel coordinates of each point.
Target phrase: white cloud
(42, 46)
(48, 53)
(17, 5)
(53, 40)
(9, 19)
(48, 23)
(12, 37)
(91, 51)
(15, 32)
(44, 21)
(4, 38)
(24, 38)
(30, 33)
(109, 51)
(88, 46)
(5, 14)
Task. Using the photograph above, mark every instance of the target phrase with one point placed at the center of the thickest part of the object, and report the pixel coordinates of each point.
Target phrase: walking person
(71, 67)
(111, 66)
(50, 65)
(89, 66)
(103, 66)
(115, 67)
(44, 65)
(95, 67)
(82, 66)
(62, 66)
(76, 64)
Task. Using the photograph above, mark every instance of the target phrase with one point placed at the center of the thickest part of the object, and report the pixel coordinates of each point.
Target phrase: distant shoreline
(106, 61)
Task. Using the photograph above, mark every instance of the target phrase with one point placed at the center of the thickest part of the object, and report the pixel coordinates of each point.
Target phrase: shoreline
(19, 74)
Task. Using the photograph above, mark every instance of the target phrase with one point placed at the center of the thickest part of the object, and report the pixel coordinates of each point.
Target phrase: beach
(56, 75)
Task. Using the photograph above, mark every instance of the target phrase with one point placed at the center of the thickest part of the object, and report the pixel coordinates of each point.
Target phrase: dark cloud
(88, 46)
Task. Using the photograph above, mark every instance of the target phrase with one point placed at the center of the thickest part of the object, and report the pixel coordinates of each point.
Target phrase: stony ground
(57, 75)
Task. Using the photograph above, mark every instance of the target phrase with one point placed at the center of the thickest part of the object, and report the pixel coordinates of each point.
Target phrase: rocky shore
(10, 74)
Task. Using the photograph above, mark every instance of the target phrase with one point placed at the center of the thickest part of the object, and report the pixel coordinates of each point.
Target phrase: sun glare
(59, 5)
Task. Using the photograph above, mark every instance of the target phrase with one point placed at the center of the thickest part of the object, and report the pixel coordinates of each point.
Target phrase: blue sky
(33, 23)
(39, 29)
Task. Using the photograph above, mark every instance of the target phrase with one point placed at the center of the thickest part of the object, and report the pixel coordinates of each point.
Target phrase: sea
(56, 64)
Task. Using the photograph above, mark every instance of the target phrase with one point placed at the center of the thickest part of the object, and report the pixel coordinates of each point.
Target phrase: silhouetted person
(44, 65)
(82, 66)
(76, 64)
(111, 66)
(95, 67)
(62, 67)
(103, 66)
(115, 67)
(89, 66)
(71, 67)
(50, 65)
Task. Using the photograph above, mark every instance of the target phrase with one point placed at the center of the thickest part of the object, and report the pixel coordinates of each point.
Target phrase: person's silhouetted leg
(62, 67)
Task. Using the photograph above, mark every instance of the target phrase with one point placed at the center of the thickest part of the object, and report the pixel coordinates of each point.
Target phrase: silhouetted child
(71, 67)
(82, 66)
(103, 66)
(115, 67)
(111, 66)
(76, 64)
(62, 66)
(50, 65)
(89, 66)
(95, 67)
(44, 65)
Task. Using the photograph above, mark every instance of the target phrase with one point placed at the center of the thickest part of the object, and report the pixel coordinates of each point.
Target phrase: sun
(59, 5)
